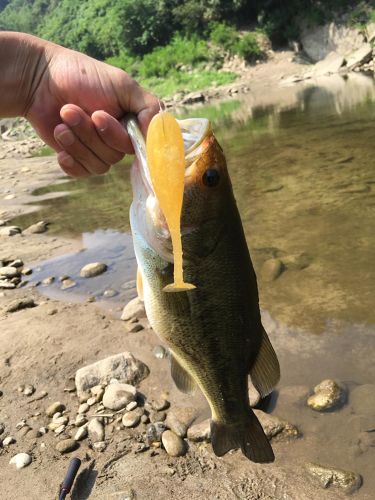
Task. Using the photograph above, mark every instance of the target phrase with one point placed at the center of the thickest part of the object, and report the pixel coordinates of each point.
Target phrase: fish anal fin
(249, 436)
(183, 380)
(139, 284)
(265, 371)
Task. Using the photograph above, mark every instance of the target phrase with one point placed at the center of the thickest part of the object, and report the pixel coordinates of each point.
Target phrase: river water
(302, 165)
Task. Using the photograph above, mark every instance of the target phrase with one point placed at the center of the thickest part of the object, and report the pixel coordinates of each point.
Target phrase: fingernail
(101, 123)
(72, 118)
(65, 138)
(66, 160)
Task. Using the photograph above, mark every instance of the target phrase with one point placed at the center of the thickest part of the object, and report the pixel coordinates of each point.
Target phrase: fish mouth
(146, 216)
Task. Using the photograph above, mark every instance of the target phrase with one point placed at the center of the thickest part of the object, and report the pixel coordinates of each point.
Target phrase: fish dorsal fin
(265, 372)
(139, 284)
(183, 380)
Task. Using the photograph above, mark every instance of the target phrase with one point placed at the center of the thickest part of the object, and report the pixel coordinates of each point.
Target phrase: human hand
(76, 106)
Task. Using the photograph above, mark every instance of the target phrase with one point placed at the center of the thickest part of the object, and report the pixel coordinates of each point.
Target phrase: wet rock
(93, 269)
(155, 431)
(109, 293)
(134, 309)
(38, 228)
(360, 56)
(8, 441)
(8, 272)
(200, 432)
(131, 419)
(21, 460)
(26, 271)
(294, 394)
(362, 400)
(10, 231)
(193, 98)
(173, 444)
(327, 476)
(48, 281)
(124, 367)
(117, 396)
(68, 283)
(160, 352)
(160, 404)
(179, 420)
(327, 396)
(96, 430)
(275, 428)
(81, 433)
(271, 269)
(18, 305)
(54, 408)
(66, 445)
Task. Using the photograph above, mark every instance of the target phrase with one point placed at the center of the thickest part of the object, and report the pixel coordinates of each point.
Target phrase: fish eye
(211, 177)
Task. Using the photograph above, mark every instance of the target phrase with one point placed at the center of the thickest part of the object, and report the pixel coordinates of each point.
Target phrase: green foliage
(179, 80)
(248, 47)
(224, 35)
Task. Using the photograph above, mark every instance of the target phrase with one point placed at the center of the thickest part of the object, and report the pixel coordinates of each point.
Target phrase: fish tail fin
(249, 436)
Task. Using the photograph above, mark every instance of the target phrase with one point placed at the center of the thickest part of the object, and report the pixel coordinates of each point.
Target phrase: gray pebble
(131, 419)
(131, 406)
(66, 445)
(96, 430)
(68, 283)
(99, 446)
(81, 433)
(155, 431)
(8, 441)
(29, 390)
(109, 293)
(173, 444)
(118, 396)
(83, 408)
(54, 408)
(48, 281)
(160, 352)
(21, 460)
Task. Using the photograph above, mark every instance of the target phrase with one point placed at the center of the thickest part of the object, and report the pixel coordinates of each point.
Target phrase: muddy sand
(45, 345)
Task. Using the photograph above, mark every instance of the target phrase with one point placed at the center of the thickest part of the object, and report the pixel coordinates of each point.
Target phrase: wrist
(24, 60)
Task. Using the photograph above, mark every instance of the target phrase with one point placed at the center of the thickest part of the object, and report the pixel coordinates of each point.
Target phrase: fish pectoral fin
(265, 371)
(139, 284)
(249, 436)
(183, 380)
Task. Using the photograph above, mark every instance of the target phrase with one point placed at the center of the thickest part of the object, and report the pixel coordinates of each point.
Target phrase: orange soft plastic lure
(166, 162)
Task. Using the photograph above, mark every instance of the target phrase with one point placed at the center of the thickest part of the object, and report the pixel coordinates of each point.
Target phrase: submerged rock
(327, 476)
(93, 269)
(124, 367)
(276, 428)
(327, 396)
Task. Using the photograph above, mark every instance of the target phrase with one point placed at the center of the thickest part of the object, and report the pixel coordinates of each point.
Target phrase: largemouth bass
(214, 332)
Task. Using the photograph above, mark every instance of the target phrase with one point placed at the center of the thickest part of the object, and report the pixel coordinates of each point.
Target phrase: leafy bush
(248, 48)
(225, 36)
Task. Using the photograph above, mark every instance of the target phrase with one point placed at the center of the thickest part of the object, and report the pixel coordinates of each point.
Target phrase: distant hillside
(104, 28)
